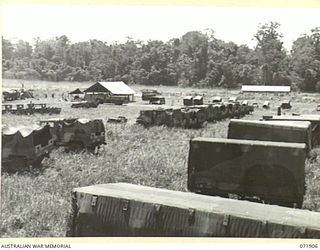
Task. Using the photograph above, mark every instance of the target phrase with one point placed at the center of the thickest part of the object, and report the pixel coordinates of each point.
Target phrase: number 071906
(309, 246)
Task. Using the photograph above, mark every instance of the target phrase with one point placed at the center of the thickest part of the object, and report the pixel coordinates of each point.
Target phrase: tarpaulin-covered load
(285, 131)
(157, 100)
(266, 105)
(24, 146)
(314, 119)
(84, 133)
(217, 99)
(235, 109)
(217, 112)
(286, 104)
(188, 100)
(247, 108)
(194, 117)
(148, 93)
(10, 94)
(198, 100)
(270, 172)
(233, 99)
(120, 209)
(145, 118)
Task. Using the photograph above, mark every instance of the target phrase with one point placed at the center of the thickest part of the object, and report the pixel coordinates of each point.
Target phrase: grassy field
(37, 203)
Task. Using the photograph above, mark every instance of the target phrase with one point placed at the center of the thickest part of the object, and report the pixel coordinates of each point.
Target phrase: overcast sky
(111, 23)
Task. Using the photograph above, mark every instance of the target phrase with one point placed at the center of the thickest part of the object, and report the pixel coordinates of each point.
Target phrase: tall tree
(270, 51)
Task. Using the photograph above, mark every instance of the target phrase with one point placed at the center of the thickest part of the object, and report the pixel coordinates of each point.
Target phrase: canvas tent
(103, 90)
(265, 88)
(76, 92)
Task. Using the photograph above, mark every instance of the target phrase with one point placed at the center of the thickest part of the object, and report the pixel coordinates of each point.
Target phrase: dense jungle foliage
(195, 59)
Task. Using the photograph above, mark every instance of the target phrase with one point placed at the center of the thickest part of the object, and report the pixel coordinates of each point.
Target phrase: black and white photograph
(166, 121)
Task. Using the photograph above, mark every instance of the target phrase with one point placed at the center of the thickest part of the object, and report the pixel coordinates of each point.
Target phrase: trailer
(263, 171)
(314, 119)
(126, 210)
(282, 131)
(75, 133)
(24, 146)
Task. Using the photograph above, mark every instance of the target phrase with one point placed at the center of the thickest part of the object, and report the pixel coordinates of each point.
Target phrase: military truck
(77, 133)
(262, 171)
(118, 119)
(188, 100)
(148, 93)
(216, 99)
(283, 131)
(198, 100)
(193, 117)
(314, 119)
(159, 100)
(286, 104)
(121, 209)
(24, 146)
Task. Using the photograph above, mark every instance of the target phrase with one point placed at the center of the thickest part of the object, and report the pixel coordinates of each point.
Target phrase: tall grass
(37, 203)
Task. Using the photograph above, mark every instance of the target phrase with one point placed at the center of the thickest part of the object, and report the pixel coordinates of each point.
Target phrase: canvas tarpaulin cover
(314, 119)
(122, 209)
(285, 131)
(22, 140)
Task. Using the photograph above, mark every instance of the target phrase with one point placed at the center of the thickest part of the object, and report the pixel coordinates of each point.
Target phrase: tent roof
(116, 88)
(265, 88)
(76, 92)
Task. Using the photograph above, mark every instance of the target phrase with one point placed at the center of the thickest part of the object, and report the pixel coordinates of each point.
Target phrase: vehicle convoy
(194, 116)
(24, 146)
(263, 171)
(121, 209)
(282, 131)
(77, 133)
(314, 119)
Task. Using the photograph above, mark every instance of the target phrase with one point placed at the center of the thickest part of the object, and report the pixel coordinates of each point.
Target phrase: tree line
(196, 59)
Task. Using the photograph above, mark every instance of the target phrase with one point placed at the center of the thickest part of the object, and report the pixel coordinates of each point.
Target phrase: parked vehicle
(282, 131)
(314, 119)
(119, 119)
(134, 210)
(24, 146)
(286, 104)
(159, 100)
(263, 171)
(148, 93)
(77, 133)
